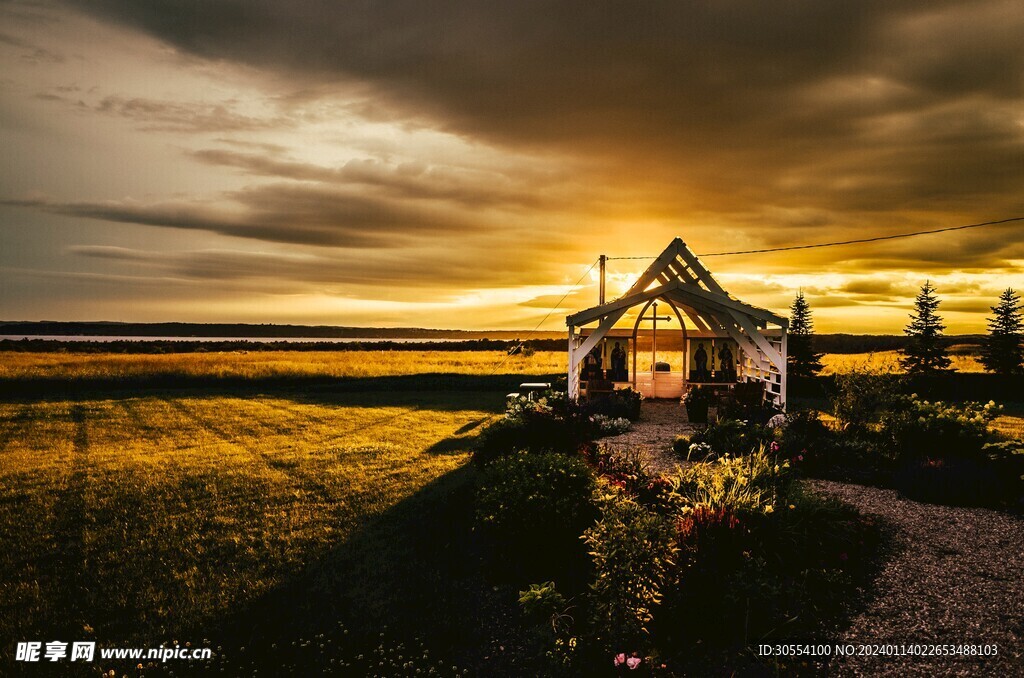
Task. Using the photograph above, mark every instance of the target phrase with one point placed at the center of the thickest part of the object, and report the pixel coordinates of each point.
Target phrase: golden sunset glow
(462, 167)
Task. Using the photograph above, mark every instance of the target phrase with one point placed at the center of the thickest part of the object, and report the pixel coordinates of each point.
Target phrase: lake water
(260, 340)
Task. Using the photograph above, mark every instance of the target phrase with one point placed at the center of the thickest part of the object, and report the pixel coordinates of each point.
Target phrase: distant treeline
(199, 346)
(823, 343)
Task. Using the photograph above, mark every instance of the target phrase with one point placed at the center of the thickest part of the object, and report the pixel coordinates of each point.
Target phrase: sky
(462, 164)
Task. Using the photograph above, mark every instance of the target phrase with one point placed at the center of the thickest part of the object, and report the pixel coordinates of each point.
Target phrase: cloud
(176, 116)
(281, 213)
(404, 273)
(32, 53)
(468, 186)
(730, 81)
(495, 144)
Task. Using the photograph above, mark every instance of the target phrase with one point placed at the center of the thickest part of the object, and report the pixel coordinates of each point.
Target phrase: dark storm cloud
(282, 213)
(614, 73)
(811, 115)
(409, 180)
(383, 273)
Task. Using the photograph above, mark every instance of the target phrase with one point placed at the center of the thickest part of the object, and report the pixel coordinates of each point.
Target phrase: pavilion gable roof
(678, 275)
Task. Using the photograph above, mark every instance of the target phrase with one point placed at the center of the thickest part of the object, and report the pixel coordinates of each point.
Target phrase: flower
(620, 659)
(633, 662)
(774, 447)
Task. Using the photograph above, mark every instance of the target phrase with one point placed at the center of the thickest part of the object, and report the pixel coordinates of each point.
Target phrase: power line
(766, 250)
(558, 303)
(847, 242)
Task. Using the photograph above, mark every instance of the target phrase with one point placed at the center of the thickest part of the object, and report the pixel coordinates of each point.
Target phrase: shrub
(632, 550)
(726, 436)
(862, 398)
(755, 483)
(536, 506)
(550, 423)
(1007, 458)
(804, 431)
(741, 408)
(696, 401)
(921, 429)
(607, 426)
(621, 403)
(818, 451)
(545, 605)
(713, 534)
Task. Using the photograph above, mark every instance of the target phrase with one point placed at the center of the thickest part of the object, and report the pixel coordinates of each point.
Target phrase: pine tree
(1002, 351)
(925, 354)
(802, 360)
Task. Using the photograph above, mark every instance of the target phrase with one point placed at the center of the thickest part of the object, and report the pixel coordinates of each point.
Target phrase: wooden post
(654, 346)
(574, 375)
(782, 385)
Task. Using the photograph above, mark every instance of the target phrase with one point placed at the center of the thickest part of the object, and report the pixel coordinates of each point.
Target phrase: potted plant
(696, 401)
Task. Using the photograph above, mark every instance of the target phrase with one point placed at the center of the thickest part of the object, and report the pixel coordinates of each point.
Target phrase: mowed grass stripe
(34, 463)
(14, 419)
(70, 524)
(173, 515)
(267, 443)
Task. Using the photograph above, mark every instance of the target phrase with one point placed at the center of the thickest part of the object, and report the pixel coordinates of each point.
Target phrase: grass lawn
(264, 501)
(141, 519)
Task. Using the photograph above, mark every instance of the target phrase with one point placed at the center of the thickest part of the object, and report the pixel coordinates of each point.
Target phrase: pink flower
(620, 659)
(632, 663)
(799, 457)
(774, 447)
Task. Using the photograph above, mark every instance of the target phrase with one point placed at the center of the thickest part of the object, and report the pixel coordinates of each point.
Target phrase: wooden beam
(602, 329)
(624, 302)
(728, 302)
(699, 270)
(656, 267)
(770, 351)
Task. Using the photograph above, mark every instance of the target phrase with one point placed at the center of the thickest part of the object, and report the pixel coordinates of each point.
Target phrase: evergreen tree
(1002, 352)
(925, 354)
(802, 360)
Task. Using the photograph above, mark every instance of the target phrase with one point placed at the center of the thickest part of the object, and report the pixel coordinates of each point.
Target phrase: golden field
(142, 514)
(887, 361)
(358, 364)
(272, 364)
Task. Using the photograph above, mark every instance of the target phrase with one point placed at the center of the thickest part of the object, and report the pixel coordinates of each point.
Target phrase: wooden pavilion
(724, 343)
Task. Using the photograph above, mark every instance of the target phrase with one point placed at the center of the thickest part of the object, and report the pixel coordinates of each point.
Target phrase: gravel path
(954, 576)
(660, 422)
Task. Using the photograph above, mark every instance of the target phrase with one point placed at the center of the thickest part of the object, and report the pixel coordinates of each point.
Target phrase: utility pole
(604, 260)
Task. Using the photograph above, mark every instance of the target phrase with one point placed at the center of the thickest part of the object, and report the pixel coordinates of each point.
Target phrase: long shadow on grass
(313, 387)
(410, 576)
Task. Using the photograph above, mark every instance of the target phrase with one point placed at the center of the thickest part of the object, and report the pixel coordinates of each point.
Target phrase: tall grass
(887, 362)
(18, 366)
(271, 364)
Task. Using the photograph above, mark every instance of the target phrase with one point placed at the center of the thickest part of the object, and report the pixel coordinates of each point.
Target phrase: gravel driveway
(954, 576)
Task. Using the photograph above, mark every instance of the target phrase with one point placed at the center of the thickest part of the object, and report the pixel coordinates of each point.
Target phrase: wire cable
(518, 347)
(896, 236)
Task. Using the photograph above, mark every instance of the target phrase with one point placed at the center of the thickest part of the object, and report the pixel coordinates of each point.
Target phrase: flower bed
(643, 574)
